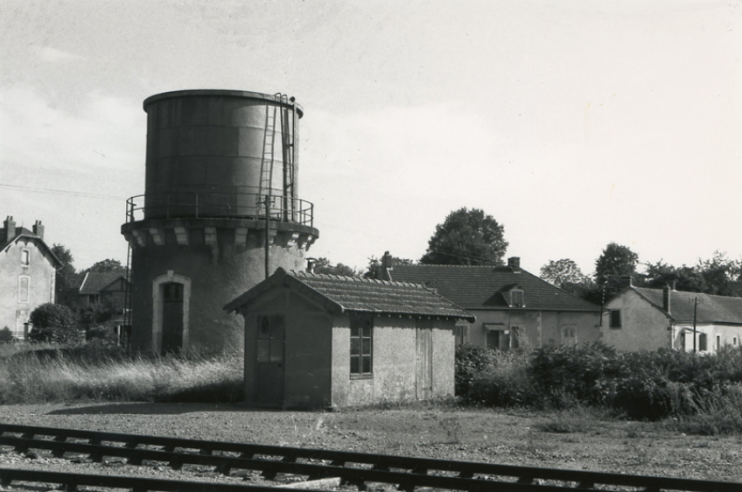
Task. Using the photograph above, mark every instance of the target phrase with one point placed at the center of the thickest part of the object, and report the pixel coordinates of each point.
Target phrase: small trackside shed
(318, 341)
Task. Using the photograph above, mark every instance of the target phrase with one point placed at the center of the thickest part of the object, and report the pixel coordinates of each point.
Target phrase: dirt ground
(499, 436)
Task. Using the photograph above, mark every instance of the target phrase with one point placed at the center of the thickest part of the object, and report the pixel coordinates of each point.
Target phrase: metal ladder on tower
(288, 118)
(266, 162)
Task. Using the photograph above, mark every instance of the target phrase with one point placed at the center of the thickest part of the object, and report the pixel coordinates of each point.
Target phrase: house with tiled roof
(513, 308)
(97, 287)
(94, 287)
(319, 340)
(649, 319)
(27, 275)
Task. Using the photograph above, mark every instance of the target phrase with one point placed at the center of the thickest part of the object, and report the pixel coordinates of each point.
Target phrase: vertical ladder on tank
(266, 163)
(125, 333)
(287, 147)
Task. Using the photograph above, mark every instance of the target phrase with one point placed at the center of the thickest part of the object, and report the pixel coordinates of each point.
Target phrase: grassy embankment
(45, 373)
(685, 392)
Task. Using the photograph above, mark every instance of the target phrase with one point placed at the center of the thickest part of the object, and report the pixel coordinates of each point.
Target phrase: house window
(515, 334)
(24, 287)
(462, 334)
(615, 318)
(517, 298)
(718, 342)
(734, 342)
(361, 338)
(25, 257)
(702, 342)
(569, 336)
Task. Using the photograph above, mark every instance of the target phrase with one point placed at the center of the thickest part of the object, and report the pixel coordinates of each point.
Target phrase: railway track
(352, 468)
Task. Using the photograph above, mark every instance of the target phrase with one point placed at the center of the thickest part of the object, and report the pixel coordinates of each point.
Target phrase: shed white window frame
(358, 351)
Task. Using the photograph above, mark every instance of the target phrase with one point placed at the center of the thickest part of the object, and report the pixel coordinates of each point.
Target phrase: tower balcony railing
(213, 204)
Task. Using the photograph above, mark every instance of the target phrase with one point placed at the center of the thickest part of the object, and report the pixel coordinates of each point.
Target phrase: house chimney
(514, 263)
(386, 264)
(666, 298)
(38, 229)
(625, 281)
(9, 225)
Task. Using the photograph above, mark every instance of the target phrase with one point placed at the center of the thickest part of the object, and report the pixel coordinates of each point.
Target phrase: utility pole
(695, 311)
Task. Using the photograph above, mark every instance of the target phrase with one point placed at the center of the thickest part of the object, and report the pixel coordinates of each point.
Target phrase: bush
(507, 384)
(54, 323)
(471, 362)
(567, 374)
(6, 336)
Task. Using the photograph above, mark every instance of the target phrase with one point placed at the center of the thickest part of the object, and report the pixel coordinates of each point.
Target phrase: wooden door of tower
(270, 360)
(424, 360)
(172, 317)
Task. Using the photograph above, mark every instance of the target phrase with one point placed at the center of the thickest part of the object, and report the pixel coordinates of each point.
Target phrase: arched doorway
(171, 299)
(172, 317)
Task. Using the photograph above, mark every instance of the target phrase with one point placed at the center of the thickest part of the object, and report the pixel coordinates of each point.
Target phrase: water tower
(221, 207)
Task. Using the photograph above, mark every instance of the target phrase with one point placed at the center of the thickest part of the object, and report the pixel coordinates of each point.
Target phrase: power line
(50, 191)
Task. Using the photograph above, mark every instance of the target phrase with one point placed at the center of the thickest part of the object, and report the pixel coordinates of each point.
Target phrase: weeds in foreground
(575, 420)
(54, 375)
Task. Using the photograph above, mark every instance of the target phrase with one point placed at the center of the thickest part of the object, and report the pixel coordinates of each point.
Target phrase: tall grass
(70, 375)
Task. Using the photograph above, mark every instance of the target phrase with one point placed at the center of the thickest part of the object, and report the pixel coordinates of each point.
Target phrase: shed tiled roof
(482, 287)
(711, 309)
(96, 282)
(359, 295)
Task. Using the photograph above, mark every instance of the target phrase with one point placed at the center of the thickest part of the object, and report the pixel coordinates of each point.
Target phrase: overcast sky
(573, 123)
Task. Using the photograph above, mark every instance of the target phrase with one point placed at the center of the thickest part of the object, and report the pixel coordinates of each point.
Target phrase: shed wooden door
(424, 363)
(270, 362)
(172, 317)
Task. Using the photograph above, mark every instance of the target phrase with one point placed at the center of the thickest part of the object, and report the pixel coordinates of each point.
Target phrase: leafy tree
(66, 276)
(562, 272)
(717, 276)
(322, 265)
(107, 266)
(98, 312)
(374, 266)
(616, 261)
(466, 237)
(685, 278)
(54, 323)
(721, 276)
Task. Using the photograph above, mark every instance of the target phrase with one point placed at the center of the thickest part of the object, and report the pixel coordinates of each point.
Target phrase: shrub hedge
(644, 385)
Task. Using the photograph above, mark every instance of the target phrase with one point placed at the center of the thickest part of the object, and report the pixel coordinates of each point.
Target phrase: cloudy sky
(575, 123)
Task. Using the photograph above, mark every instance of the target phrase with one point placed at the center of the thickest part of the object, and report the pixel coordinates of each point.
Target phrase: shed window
(702, 342)
(361, 347)
(25, 257)
(615, 318)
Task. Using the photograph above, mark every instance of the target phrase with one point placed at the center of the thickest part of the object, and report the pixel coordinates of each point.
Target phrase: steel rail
(71, 481)
(415, 471)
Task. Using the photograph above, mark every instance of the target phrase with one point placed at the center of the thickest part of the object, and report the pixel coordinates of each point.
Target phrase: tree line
(472, 237)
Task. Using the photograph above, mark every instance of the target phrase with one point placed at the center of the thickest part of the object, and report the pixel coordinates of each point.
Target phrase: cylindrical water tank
(216, 153)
